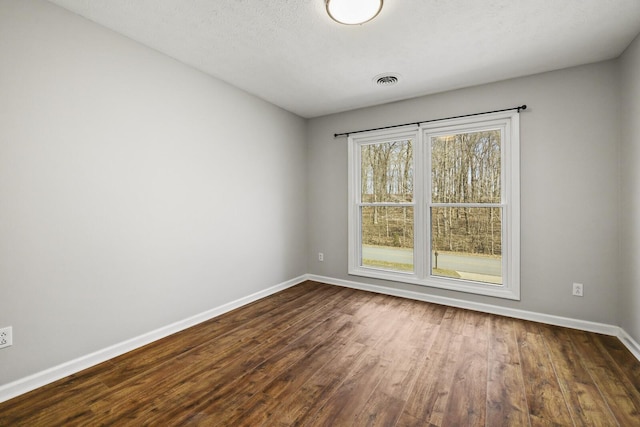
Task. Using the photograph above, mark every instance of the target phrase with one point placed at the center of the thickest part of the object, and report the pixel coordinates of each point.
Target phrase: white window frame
(508, 123)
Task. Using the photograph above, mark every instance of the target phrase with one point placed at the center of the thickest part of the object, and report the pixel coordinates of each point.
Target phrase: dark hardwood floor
(323, 355)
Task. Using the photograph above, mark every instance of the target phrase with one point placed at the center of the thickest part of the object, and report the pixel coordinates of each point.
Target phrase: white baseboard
(584, 325)
(629, 342)
(24, 385)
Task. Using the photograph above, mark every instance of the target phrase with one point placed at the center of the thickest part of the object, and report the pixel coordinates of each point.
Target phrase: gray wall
(630, 190)
(134, 190)
(569, 181)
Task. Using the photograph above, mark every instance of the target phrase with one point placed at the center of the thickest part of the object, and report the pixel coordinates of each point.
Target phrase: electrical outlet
(6, 337)
(320, 256)
(578, 290)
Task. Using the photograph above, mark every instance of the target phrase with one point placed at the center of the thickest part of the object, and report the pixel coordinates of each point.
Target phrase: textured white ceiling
(289, 52)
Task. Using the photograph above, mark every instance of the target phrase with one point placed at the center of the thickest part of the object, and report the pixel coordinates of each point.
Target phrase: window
(438, 204)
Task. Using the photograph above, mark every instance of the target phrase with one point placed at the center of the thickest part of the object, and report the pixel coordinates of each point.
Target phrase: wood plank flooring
(321, 355)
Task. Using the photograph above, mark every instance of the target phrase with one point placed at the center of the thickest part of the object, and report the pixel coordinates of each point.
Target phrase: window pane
(387, 237)
(466, 243)
(465, 168)
(387, 172)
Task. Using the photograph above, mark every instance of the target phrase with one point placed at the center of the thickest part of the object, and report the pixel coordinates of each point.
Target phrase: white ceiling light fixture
(353, 12)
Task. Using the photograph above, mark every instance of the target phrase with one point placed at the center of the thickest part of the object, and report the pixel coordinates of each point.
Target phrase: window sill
(459, 285)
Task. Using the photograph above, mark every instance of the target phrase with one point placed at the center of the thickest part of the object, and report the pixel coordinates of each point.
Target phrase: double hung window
(438, 204)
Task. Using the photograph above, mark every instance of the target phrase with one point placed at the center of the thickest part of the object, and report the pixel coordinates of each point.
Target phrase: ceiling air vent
(386, 79)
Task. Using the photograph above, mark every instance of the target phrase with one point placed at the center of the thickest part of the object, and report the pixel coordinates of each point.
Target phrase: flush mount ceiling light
(353, 12)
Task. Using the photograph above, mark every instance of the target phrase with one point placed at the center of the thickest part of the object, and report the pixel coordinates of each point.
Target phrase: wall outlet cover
(6, 337)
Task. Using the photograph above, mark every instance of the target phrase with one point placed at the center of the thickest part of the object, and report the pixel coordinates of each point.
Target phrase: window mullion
(419, 243)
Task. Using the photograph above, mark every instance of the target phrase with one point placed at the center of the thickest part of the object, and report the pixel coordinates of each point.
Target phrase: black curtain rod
(522, 107)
